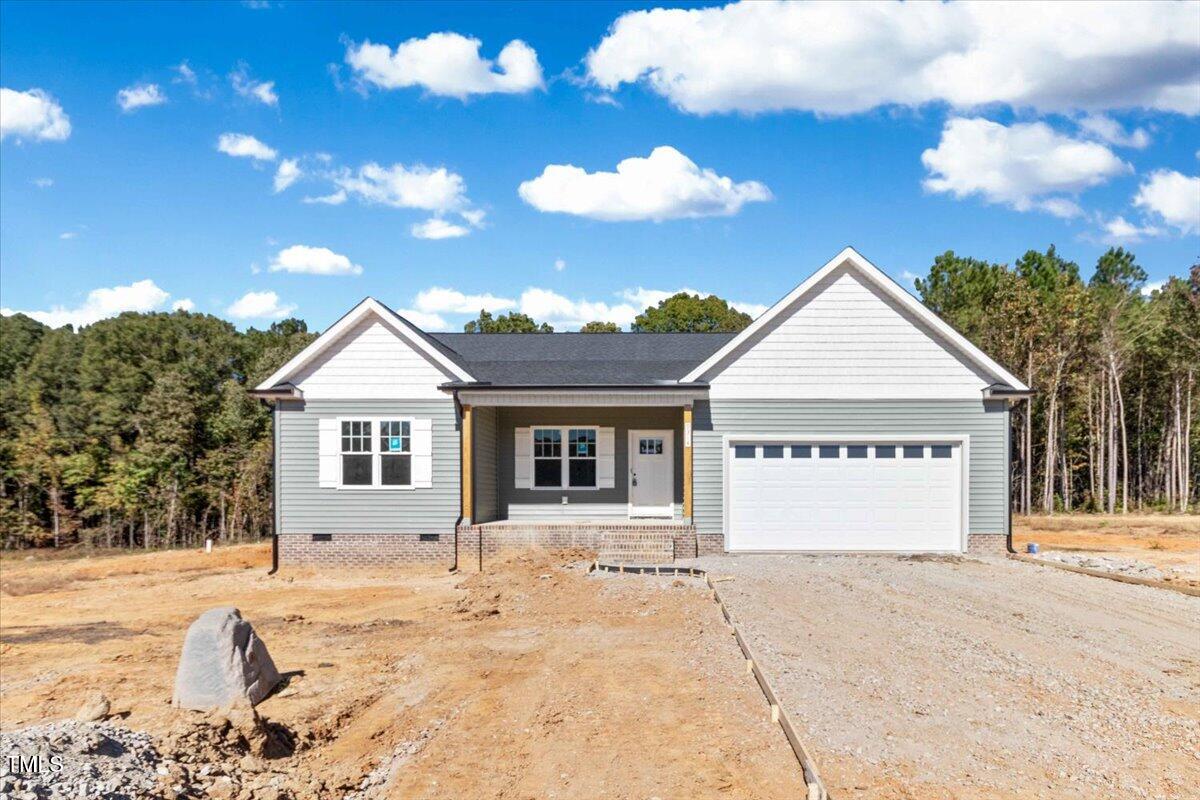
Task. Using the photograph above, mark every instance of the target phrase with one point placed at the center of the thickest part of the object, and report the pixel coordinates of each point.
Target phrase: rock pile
(78, 759)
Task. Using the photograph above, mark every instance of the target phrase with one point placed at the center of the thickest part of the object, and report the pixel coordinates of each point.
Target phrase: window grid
(581, 458)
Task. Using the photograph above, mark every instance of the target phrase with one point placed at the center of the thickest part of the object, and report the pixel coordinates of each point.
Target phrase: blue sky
(765, 139)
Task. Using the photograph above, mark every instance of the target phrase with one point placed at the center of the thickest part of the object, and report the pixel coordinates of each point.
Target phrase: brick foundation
(365, 549)
(987, 544)
(499, 538)
(710, 544)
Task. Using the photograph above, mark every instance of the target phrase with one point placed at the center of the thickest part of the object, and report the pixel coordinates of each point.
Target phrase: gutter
(455, 386)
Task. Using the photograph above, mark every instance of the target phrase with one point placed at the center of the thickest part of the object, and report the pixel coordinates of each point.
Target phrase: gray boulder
(224, 663)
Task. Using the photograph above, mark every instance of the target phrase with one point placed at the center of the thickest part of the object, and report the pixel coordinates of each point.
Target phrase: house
(848, 417)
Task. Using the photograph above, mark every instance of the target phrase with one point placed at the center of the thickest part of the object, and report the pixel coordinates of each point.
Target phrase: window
(565, 458)
(650, 447)
(801, 451)
(773, 451)
(743, 451)
(581, 458)
(885, 451)
(830, 450)
(856, 451)
(395, 453)
(377, 453)
(914, 451)
(547, 457)
(356, 453)
(939, 451)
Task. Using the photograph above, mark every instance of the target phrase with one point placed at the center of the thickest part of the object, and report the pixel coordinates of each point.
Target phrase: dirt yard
(533, 680)
(1170, 543)
(947, 677)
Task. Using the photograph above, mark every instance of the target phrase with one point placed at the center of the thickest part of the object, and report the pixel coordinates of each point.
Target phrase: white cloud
(423, 320)
(306, 260)
(473, 215)
(545, 305)
(399, 186)
(559, 265)
(1107, 129)
(140, 95)
(647, 298)
(288, 173)
(186, 74)
(1119, 230)
(335, 199)
(1173, 197)
(910, 278)
(665, 185)
(643, 298)
(447, 64)
(1025, 165)
(440, 300)
(259, 305)
(755, 310)
(141, 296)
(1152, 287)
(259, 91)
(242, 145)
(32, 115)
(438, 228)
(68, 234)
(43, 183)
(841, 58)
(184, 304)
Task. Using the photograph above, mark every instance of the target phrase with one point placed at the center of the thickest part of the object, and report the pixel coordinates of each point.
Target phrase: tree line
(1114, 366)
(138, 431)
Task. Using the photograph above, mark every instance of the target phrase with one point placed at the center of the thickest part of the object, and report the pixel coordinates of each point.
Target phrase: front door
(651, 473)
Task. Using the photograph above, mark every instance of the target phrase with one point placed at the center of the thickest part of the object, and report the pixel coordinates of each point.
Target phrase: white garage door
(827, 496)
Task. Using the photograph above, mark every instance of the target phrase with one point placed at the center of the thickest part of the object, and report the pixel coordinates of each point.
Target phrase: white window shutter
(328, 448)
(523, 455)
(422, 453)
(606, 457)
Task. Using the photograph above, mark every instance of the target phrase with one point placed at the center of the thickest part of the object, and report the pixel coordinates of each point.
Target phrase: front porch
(609, 471)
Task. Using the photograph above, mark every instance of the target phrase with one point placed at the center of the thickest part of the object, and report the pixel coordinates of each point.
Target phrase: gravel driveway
(963, 678)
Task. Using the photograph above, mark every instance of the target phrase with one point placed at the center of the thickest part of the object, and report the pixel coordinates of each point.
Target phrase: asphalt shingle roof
(545, 359)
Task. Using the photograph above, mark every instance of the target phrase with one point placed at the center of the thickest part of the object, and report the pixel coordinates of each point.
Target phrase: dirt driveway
(960, 678)
(531, 680)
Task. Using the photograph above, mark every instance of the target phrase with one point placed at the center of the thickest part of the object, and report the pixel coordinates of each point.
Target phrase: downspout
(1008, 545)
(457, 522)
(274, 487)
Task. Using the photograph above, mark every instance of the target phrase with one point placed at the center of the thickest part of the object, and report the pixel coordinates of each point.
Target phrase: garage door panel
(902, 502)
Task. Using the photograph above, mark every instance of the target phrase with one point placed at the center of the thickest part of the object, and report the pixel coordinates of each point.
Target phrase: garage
(845, 495)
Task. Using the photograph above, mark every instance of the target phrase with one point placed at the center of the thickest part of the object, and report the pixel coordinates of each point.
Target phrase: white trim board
(409, 334)
(852, 258)
(962, 440)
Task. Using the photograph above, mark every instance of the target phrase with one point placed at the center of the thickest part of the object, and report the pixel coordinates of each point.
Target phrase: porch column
(468, 467)
(687, 464)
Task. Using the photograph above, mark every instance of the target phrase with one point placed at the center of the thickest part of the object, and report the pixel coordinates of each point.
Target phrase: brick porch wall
(989, 544)
(497, 539)
(366, 550)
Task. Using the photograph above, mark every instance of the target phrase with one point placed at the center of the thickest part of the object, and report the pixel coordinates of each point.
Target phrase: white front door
(651, 473)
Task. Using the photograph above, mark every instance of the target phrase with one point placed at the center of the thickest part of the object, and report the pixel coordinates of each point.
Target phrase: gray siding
(622, 419)
(306, 508)
(486, 454)
(985, 423)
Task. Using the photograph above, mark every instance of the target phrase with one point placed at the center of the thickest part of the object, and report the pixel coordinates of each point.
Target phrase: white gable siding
(846, 341)
(370, 362)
